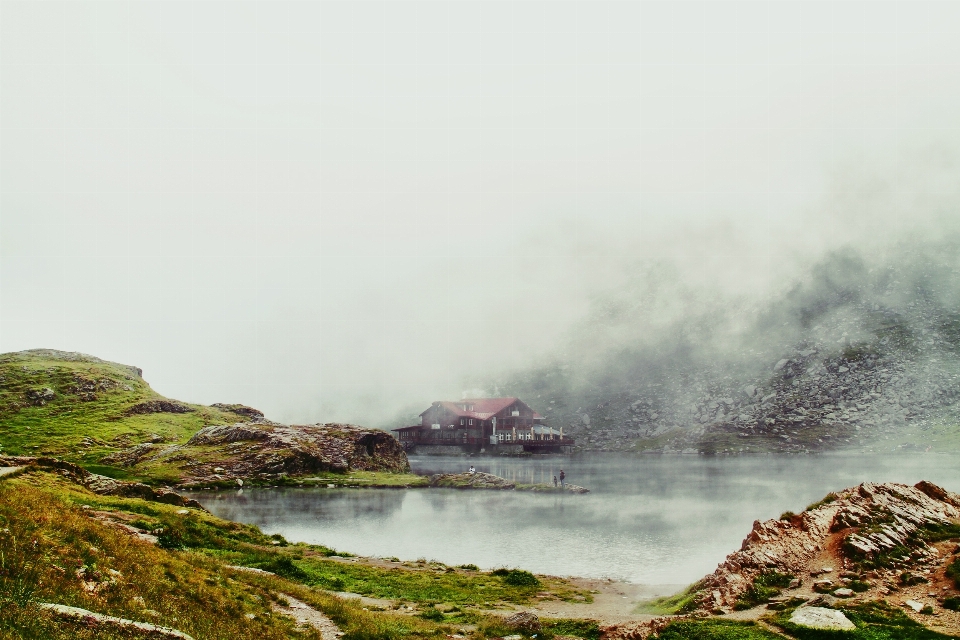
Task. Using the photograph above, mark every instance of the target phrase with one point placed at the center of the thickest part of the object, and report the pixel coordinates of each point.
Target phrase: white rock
(913, 604)
(183, 512)
(821, 618)
(843, 593)
(780, 364)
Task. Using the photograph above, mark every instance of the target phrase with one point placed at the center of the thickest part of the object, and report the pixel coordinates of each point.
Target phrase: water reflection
(650, 519)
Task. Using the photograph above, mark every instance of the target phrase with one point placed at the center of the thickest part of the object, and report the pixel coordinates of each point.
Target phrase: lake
(647, 519)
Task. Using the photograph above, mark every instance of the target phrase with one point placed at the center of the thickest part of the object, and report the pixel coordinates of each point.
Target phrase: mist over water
(648, 519)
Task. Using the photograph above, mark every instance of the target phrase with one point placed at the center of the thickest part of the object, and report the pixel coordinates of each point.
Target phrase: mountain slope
(864, 351)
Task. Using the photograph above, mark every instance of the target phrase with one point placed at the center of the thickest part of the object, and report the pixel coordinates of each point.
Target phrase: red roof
(483, 408)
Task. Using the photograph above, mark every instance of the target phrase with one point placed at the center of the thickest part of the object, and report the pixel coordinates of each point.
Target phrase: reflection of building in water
(483, 425)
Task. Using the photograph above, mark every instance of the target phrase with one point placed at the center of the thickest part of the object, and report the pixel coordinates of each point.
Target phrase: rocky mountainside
(886, 543)
(865, 533)
(864, 352)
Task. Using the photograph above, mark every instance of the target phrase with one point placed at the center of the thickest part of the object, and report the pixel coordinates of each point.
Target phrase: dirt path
(613, 602)
(307, 616)
(7, 470)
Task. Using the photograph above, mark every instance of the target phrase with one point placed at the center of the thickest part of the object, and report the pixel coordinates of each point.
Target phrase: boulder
(268, 449)
(470, 481)
(131, 456)
(821, 618)
(40, 397)
(239, 409)
(913, 604)
(158, 406)
(525, 622)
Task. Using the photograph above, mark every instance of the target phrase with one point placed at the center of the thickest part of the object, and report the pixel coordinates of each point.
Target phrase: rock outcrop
(264, 449)
(101, 485)
(122, 625)
(470, 481)
(239, 409)
(862, 523)
(158, 406)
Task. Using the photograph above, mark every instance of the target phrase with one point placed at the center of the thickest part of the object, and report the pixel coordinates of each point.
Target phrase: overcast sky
(332, 210)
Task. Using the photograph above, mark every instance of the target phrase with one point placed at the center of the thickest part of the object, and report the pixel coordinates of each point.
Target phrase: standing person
(472, 469)
(554, 482)
(562, 478)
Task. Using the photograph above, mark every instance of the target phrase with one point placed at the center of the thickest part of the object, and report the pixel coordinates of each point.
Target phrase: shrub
(764, 587)
(953, 572)
(169, 538)
(827, 499)
(283, 566)
(952, 603)
(859, 586)
(589, 629)
(432, 613)
(787, 515)
(908, 579)
(521, 578)
(469, 567)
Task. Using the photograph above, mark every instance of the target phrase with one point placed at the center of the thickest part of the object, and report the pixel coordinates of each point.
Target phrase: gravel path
(306, 615)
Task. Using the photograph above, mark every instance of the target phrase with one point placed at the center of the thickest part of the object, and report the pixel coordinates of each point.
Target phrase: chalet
(482, 424)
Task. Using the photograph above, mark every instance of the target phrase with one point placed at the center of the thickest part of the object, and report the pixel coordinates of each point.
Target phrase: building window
(471, 422)
(461, 422)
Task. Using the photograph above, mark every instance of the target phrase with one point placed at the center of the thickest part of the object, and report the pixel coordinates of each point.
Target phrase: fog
(643, 521)
(346, 210)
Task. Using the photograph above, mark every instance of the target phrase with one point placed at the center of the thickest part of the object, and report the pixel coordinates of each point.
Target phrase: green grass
(953, 572)
(764, 587)
(715, 629)
(827, 499)
(87, 418)
(429, 584)
(681, 602)
(874, 621)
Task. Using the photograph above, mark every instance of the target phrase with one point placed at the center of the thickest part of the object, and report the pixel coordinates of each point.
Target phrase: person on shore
(554, 482)
(472, 470)
(563, 477)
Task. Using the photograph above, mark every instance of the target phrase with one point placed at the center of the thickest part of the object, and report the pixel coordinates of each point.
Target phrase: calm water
(653, 520)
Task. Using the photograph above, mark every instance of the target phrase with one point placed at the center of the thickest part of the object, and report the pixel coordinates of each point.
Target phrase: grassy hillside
(62, 544)
(80, 408)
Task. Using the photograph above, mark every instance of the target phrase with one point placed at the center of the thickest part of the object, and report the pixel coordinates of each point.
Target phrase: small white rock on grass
(821, 618)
